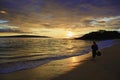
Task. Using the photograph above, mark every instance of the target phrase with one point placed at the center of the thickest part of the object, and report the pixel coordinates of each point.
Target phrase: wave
(21, 65)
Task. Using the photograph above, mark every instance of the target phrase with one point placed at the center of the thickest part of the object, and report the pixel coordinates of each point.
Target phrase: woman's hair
(94, 42)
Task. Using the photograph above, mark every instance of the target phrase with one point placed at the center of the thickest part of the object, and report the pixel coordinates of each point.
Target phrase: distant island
(24, 36)
(101, 35)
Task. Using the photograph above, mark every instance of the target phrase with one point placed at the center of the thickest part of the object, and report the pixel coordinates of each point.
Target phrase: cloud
(9, 29)
(114, 24)
(60, 13)
(3, 12)
(3, 21)
(102, 22)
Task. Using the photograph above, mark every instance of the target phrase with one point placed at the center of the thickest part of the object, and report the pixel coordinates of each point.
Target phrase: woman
(94, 49)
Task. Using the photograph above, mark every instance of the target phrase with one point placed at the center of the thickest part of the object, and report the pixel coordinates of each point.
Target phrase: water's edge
(16, 66)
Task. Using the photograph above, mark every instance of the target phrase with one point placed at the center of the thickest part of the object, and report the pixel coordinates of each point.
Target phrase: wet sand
(106, 67)
(46, 71)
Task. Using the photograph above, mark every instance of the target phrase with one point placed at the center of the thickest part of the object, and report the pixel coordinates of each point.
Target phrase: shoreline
(80, 67)
(105, 67)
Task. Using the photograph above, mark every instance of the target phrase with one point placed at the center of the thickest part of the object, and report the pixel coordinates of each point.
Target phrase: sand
(105, 67)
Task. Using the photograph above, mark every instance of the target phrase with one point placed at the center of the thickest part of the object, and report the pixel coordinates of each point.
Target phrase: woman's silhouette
(94, 49)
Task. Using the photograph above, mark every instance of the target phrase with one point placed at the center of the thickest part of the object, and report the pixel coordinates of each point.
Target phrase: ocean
(25, 53)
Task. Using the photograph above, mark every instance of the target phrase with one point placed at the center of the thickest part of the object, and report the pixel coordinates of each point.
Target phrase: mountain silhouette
(101, 35)
(24, 36)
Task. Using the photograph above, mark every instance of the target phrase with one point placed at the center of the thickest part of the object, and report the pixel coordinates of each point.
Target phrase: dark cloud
(102, 22)
(10, 30)
(80, 7)
(88, 21)
(92, 7)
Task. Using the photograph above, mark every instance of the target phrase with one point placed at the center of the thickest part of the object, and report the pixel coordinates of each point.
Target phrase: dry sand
(105, 67)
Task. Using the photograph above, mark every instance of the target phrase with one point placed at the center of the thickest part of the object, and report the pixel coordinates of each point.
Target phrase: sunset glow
(55, 18)
(70, 34)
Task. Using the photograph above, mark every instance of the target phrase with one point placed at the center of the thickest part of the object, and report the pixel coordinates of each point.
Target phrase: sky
(58, 18)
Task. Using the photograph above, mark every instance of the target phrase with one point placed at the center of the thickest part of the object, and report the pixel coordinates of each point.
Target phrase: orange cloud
(3, 12)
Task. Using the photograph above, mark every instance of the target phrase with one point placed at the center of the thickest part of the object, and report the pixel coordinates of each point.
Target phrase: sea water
(24, 53)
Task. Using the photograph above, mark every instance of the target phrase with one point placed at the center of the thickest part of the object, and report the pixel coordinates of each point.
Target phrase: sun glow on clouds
(70, 34)
(56, 32)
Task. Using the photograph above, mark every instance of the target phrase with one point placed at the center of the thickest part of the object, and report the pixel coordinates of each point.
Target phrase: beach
(105, 67)
(55, 39)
